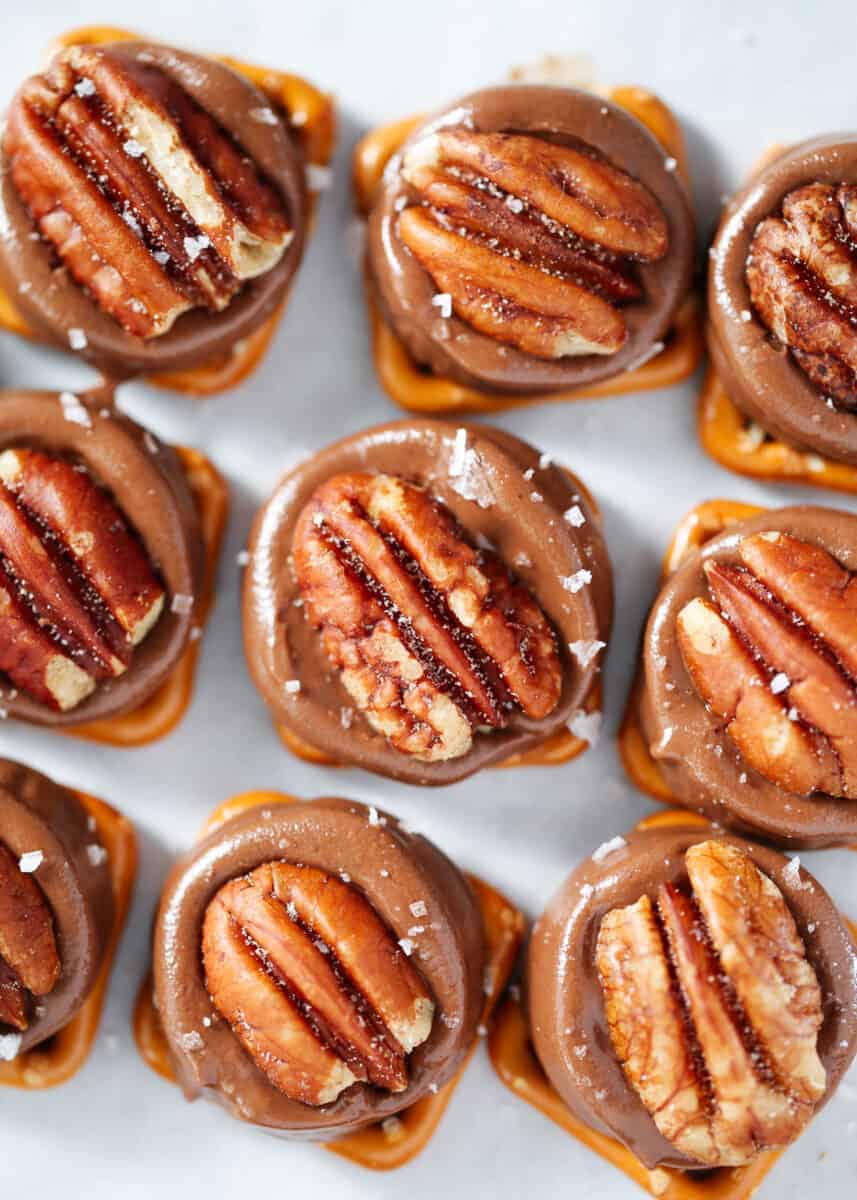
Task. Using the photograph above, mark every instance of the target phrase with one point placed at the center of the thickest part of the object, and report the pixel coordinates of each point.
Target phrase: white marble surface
(741, 76)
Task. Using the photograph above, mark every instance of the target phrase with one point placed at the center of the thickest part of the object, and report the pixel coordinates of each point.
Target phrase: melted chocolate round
(53, 303)
(146, 481)
(38, 814)
(281, 645)
(701, 764)
(759, 373)
(568, 1021)
(454, 349)
(393, 869)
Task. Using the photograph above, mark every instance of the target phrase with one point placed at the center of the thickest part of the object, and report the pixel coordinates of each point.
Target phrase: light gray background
(740, 75)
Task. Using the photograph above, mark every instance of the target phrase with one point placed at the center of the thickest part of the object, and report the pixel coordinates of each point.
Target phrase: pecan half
(802, 276)
(775, 657)
(77, 590)
(430, 636)
(312, 982)
(533, 241)
(146, 200)
(713, 1009)
(29, 960)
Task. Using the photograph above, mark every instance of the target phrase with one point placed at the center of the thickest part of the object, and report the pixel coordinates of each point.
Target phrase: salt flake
(780, 683)
(30, 861)
(586, 651)
(74, 411)
(574, 516)
(443, 301)
(96, 854)
(181, 603)
(292, 687)
(264, 116)
(608, 848)
(574, 583)
(586, 726)
(134, 148)
(84, 87)
(77, 339)
(10, 1044)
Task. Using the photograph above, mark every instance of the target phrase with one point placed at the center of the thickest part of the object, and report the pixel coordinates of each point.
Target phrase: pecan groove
(802, 275)
(534, 241)
(29, 961)
(431, 637)
(713, 1009)
(77, 590)
(146, 200)
(312, 983)
(775, 657)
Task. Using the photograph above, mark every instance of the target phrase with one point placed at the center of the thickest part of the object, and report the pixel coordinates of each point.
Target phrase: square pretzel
(517, 1066)
(738, 444)
(160, 714)
(416, 390)
(309, 113)
(394, 1142)
(63, 1054)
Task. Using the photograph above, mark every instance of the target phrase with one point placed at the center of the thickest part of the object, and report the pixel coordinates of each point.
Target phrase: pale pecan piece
(775, 657)
(29, 960)
(533, 241)
(146, 200)
(312, 982)
(77, 590)
(431, 637)
(802, 276)
(713, 1009)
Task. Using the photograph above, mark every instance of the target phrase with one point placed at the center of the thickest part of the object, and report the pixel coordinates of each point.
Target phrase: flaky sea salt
(514, 204)
(608, 848)
(292, 686)
(529, 473)
(585, 651)
(574, 583)
(791, 872)
(574, 516)
(586, 726)
(443, 301)
(536, 497)
(467, 474)
(670, 164)
(194, 246)
(133, 148)
(30, 861)
(77, 339)
(10, 1045)
(242, 558)
(161, 257)
(780, 683)
(96, 854)
(375, 817)
(84, 87)
(74, 411)
(459, 453)
(264, 116)
(191, 1041)
(407, 946)
(545, 461)
(181, 603)
(418, 908)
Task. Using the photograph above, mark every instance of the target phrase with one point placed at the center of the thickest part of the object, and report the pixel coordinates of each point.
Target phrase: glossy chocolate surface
(38, 814)
(759, 373)
(700, 762)
(51, 301)
(393, 868)
(280, 644)
(568, 1022)
(452, 348)
(146, 480)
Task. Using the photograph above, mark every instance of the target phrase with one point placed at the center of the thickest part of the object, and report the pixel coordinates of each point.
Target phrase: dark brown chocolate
(74, 877)
(51, 301)
(760, 375)
(568, 1021)
(503, 495)
(452, 348)
(145, 478)
(700, 762)
(393, 868)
